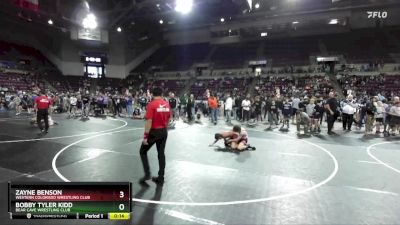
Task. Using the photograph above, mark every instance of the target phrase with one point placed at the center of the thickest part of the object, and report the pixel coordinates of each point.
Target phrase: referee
(157, 117)
(42, 104)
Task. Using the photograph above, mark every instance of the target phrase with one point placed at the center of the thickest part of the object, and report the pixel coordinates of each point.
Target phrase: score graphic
(75, 200)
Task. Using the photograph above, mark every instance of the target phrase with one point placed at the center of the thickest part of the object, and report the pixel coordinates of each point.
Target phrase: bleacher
(392, 85)
(289, 86)
(219, 86)
(387, 85)
(17, 53)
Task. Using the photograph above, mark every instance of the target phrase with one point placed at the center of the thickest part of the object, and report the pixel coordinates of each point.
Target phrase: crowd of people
(306, 102)
(307, 112)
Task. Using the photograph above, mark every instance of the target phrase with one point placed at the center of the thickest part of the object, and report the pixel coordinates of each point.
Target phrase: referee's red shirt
(159, 112)
(42, 102)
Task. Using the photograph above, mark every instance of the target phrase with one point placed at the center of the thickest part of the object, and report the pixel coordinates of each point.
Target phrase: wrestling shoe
(158, 180)
(144, 179)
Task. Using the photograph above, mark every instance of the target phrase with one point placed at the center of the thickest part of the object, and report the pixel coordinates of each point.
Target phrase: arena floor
(343, 179)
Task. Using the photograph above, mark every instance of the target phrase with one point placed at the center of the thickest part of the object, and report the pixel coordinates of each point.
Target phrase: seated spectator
(137, 114)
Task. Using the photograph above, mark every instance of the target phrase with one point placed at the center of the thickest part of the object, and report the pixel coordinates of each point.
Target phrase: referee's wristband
(145, 135)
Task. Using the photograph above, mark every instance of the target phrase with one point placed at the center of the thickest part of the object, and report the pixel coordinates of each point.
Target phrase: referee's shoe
(157, 180)
(44, 131)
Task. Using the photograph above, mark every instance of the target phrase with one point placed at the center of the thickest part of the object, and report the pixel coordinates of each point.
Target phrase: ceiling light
(50, 22)
(119, 29)
(250, 3)
(334, 21)
(257, 5)
(184, 6)
(295, 22)
(161, 21)
(264, 34)
(89, 22)
(222, 20)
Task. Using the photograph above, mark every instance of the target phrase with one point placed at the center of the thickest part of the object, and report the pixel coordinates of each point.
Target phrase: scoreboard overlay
(72, 200)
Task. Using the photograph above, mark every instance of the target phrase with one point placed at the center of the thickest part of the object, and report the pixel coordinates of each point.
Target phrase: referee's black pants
(43, 114)
(347, 120)
(158, 137)
(331, 121)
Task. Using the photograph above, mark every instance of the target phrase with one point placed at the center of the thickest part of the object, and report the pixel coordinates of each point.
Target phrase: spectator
(331, 112)
(213, 105)
(246, 104)
(348, 109)
(190, 108)
(370, 110)
(129, 105)
(295, 106)
(173, 103)
(228, 108)
(378, 116)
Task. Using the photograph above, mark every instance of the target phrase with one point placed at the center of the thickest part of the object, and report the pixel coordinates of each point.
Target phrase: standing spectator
(310, 109)
(228, 108)
(116, 105)
(394, 114)
(370, 110)
(182, 105)
(378, 116)
(295, 106)
(173, 103)
(18, 105)
(318, 114)
(31, 103)
(213, 105)
(85, 105)
(66, 102)
(129, 105)
(106, 101)
(246, 104)
(361, 113)
(73, 101)
(348, 109)
(287, 112)
(100, 102)
(257, 108)
(238, 108)
(272, 109)
(157, 117)
(143, 101)
(190, 108)
(385, 116)
(331, 112)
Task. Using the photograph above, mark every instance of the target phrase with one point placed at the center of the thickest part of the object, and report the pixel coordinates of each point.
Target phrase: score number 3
(121, 195)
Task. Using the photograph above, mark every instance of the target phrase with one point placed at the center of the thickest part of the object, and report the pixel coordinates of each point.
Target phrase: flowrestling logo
(377, 14)
(162, 108)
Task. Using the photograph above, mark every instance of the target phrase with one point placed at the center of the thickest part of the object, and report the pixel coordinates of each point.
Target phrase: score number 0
(121, 195)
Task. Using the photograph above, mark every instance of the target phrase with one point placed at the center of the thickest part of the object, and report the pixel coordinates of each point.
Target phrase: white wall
(116, 71)
(70, 52)
(72, 68)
